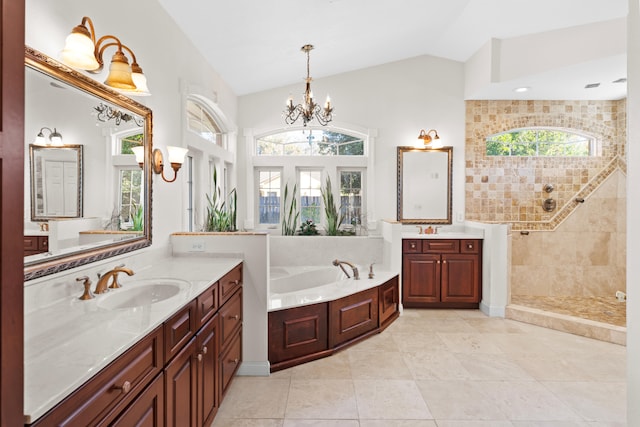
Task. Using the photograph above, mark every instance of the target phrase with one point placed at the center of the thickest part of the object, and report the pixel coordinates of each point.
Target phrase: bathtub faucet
(338, 263)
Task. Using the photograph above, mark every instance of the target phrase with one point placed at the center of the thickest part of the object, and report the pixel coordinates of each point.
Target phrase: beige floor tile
(469, 343)
(459, 400)
(335, 367)
(321, 399)
(551, 424)
(398, 423)
(407, 342)
(440, 365)
(495, 325)
(382, 365)
(255, 397)
(492, 423)
(390, 399)
(231, 422)
(321, 423)
(594, 401)
(375, 343)
(527, 400)
(552, 368)
(492, 367)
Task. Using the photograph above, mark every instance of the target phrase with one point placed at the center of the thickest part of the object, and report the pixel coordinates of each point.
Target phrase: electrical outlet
(460, 217)
(197, 246)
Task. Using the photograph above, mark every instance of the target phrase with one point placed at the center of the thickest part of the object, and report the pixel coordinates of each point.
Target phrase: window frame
(594, 144)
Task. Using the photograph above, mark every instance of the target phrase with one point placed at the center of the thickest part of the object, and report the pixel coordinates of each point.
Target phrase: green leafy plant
(289, 221)
(308, 228)
(220, 216)
(138, 217)
(331, 211)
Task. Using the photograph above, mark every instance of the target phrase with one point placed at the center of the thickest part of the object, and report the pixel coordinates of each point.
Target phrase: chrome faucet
(103, 279)
(338, 263)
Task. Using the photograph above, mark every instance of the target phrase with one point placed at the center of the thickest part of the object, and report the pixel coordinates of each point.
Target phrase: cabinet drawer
(230, 361)
(147, 409)
(441, 246)
(229, 283)
(230, 317)
(470, 246)
(207, 304)
(30, 243)
(413, 246)
(179, 329)
(43, 243)
(112, 389)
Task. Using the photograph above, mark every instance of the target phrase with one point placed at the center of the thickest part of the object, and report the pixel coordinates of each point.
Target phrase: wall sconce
(55, 139)
(82, 51)
(176, 158)
(427, 139)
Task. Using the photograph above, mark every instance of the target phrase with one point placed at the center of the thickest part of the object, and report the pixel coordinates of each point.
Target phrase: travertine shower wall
(578, 249)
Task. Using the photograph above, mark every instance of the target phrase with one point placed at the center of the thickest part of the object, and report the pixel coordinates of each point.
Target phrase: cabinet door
(352, 316)
(460, 278)
(420, 278)
(230, 358)
(208, 376)
(148, 408)
(180, 378)
(388, 300)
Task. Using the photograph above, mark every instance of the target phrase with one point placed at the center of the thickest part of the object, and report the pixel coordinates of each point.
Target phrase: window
(310, 195)
(351, 196)
(202, 123)
(269, 189)
(540, 142)
(130, 196)
(309, 142)
(128, 142)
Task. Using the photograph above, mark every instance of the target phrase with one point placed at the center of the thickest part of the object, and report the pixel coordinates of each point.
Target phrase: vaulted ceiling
(255, 44)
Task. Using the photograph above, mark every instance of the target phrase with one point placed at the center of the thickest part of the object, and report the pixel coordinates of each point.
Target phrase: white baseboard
(254, 369)
(492, 311)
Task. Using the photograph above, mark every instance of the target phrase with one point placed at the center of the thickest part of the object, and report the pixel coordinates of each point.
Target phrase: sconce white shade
(140, 81)
(139, 153)
(176, 154)
(79, 52)
(56, 138)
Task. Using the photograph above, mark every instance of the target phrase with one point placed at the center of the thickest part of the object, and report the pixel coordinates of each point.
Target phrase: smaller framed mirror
(56, 182)
(424, 185)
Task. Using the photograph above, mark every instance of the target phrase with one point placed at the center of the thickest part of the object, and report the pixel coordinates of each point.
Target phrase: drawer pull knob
(413, 246)
(236, 282)
(234, 361)
(235, 317)
(470, 246)
(438, 262)
(125, 387)
(199, 357)
(204, 349)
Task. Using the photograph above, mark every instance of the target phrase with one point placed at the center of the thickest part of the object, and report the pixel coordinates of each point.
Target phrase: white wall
(396, 99)
(633, 213)
(167, 58)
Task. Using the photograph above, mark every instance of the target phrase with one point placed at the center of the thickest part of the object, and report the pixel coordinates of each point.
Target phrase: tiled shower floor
(594, 317)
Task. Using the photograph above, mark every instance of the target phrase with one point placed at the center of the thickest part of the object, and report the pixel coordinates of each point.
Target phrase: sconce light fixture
(55, 138)
(427, 139)
(82, 51)
(176, 158)
(308, 109)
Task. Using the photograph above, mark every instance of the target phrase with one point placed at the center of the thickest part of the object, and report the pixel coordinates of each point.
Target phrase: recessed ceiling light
(522, 89)
(592, 85)
(620, 80)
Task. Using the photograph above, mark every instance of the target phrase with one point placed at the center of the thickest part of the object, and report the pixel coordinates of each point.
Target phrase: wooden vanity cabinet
(175, 377)
(445, 273)
(35, 245)
(99, 401)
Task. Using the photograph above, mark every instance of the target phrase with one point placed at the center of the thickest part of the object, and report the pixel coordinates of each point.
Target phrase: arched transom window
(542, 142)
(202, 123)
(309, 142)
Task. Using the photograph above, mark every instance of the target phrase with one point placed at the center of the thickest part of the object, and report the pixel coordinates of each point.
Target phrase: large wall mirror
(424, 185)
(84, 192)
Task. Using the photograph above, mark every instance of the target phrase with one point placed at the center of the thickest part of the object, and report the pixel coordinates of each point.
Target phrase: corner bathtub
(315, 311)
(297, 286)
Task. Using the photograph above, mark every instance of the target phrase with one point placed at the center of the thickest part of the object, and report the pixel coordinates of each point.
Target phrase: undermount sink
(142, 293)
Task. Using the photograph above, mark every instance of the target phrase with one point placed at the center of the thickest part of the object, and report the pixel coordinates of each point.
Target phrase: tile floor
(444, 368)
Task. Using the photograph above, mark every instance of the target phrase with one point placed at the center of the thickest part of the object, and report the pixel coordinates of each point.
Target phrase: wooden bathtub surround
(175, 376)
(301, 334)
(441, 273)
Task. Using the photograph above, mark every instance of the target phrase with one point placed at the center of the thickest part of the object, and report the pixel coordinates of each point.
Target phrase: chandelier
(106, 113)
(308, 109)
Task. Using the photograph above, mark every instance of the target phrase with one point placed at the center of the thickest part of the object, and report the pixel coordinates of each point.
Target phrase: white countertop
(69, 341)
(447, 235)
(329, 292)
